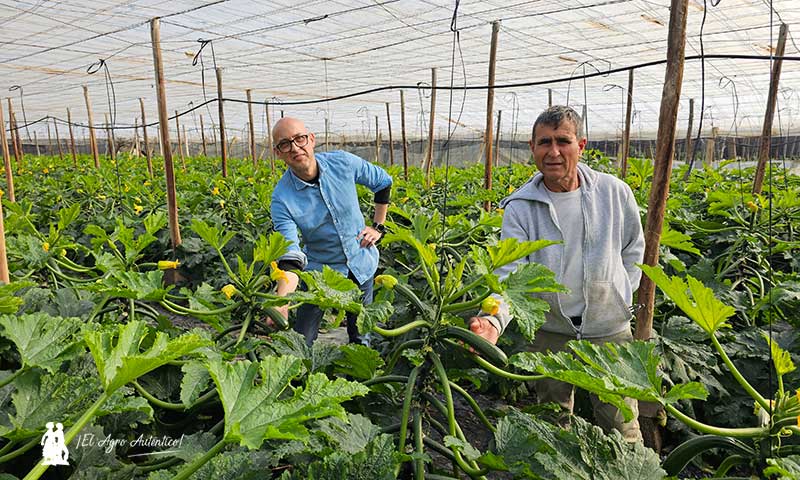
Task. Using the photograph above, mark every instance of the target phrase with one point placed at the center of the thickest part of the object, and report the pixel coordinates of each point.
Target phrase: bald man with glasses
(316, 203)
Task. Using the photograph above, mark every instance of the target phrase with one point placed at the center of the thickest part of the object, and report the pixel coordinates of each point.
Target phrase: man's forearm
(380, 212)
(285, 287)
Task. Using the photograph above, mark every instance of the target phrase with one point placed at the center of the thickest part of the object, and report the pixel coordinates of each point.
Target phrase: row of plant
(91, 245)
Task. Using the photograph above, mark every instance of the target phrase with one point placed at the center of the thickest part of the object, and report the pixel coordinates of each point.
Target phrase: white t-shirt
(569, 214)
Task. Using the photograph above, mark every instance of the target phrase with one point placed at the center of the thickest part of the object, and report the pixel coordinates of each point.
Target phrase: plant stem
(189, 469)
(386, 379)
(475, 407)
(738, 376)
(245, 326)
(460, 307)
(401, 330)
(13, 376)
(181, 310)
(16, 453)
(749, 432)
(409, 393)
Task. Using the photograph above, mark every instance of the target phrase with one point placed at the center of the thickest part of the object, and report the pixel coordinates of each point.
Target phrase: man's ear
(582, 143)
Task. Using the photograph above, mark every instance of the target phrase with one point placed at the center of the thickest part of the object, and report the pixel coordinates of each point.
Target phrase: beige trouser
(607, 416)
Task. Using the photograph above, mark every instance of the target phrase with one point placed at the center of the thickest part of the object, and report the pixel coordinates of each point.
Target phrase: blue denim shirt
(328, 215)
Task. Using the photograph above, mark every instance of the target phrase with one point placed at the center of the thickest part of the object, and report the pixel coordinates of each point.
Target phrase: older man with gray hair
(597, 218)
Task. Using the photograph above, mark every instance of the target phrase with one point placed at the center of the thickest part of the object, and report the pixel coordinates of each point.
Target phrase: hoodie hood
(533, 190)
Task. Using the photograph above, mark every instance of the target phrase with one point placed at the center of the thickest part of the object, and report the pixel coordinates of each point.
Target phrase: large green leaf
(376, 462)
(329, 289)
(780, 357)
(316, 358)
(194, 382)
(260, 403)
(695, 299)
(426, 252)
(373, 315)
(677, 240)
(42, 341)
(212, 235)
(611, 371)
(511, 249)
(532, 448)
(358, 361)
(146, 286)
(9, 303)
(527, 310)
(270, 249)
(351, 436)
(120, 359)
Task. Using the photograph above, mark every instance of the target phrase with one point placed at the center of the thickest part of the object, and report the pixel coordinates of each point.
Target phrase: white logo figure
(54, 451)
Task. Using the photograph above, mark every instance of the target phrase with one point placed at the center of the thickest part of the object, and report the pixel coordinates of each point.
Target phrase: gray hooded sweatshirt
(613, 245)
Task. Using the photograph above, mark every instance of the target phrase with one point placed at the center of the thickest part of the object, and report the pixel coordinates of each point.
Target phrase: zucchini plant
(432, 330)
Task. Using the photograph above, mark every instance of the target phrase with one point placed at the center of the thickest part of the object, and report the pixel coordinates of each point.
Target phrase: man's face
(556, 152)
(287, 135)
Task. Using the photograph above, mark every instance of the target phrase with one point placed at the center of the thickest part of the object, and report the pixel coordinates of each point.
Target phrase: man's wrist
(381, 228)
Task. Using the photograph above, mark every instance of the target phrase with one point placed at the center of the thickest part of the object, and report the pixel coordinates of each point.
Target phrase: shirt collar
(299, 183)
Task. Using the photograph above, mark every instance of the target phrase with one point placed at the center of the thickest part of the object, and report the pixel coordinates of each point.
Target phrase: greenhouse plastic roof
(314, 50)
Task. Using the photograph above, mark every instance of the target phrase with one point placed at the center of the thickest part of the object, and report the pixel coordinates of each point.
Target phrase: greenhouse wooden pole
(163, 125)
(711, 147)
(269, 141)
(185, 141)
(203, 135)
(497, 139)
(222, 140)
(668, 115)
(146, 141)
(14, 133)
(252, 128)
(689, 142)
(487, 169)
(178, 141)
(403, 133)
(72, 149)
(110, 140)
(58, 141)
(429, 152)
(549, 97)
(4, 276)
(391, 140)
(92, 136)
(6, 158)
(377, 141)
(626, 135)
(766, 132)
(49, 149)
(36, 144)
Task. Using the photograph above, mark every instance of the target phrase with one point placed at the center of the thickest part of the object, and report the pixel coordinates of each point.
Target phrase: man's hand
(483, 327)
(368, 237)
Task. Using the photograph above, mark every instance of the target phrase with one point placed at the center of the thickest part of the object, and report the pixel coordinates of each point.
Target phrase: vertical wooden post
(711, 147)
(549, 97)
(6, 159)
(178, 141)
(92, 136)
(487, 171)
(58, 141)
(112, 148)
(766, 132)
(689, 141)
(732, 147)
(403, 133)
(497, 139)
(12, 125)
(163, 125)
(137, 146)
(203, 135)
(626, 135)
(252, 128)
(146, 141)
(327, 130)
(185, 141)
(377, 142)
(222, 140)
(429, 153)
(72, 149)
(49, 148)
(269, 141)
(668, 115)
(4, 276)
(36, 143)
(391, 140)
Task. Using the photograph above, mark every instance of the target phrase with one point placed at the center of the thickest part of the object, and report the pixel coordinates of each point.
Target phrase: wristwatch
(379, 227)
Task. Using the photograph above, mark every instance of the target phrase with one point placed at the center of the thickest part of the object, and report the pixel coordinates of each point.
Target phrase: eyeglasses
(285, 146)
